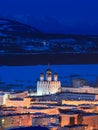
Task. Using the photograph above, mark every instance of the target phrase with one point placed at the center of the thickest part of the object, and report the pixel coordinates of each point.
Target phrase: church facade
(48, 84)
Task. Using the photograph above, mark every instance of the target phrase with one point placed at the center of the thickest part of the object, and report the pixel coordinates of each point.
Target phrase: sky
(30, 74)
(54, 16)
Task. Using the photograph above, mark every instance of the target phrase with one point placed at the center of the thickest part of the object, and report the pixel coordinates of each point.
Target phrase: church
(48, 83)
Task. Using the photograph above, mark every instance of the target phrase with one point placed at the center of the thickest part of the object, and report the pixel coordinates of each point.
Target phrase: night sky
(55, 16)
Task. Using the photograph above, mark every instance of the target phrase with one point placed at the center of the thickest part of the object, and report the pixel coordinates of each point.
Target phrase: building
(68, 118)
(45, 120)
(73, 119)
(78, 83)
(9, 95)
(81, 96)
(1, 128)
(84, 89)
(74, 127)
(18, 102)
(91, 119)
(48, 86)
(3, 98)
(20, 94)
(11, 121)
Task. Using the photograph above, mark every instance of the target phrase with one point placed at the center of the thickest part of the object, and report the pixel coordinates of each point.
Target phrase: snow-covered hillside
(16, 37)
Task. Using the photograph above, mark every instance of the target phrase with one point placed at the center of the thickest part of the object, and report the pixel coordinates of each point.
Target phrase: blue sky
(61, 16)
(32, 73)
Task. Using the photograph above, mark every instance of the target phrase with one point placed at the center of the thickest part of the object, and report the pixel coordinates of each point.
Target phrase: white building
(78, 82)
(3, 98)
(84, 89)
(48, 86)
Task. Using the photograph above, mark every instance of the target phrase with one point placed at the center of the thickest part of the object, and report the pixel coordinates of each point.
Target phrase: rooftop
(74, 126)
(16, 99)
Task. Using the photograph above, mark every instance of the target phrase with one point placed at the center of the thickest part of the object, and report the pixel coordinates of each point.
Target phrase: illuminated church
(48, 84)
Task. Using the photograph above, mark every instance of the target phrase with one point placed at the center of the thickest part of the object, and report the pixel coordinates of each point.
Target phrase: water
(22, 77)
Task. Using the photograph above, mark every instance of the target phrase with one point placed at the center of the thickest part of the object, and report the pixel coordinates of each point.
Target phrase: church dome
(48, 71)
(41, 77)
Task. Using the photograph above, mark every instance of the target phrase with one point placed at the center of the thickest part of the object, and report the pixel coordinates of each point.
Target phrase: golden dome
(49, 71)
